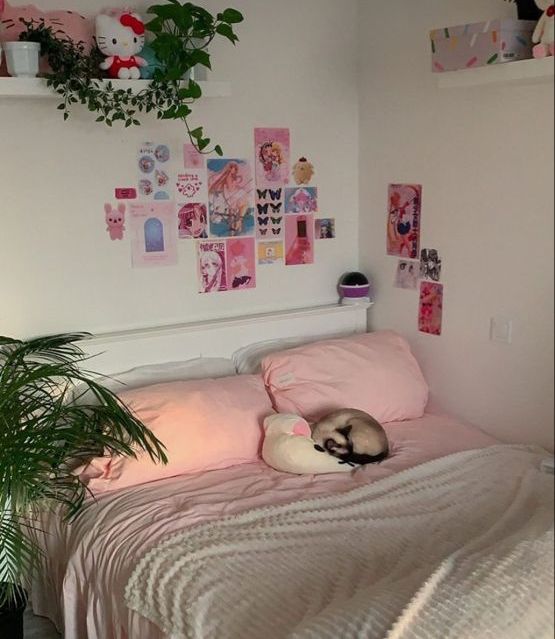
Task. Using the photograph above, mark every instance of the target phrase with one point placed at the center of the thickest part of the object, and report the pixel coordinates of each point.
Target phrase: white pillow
(248, 360)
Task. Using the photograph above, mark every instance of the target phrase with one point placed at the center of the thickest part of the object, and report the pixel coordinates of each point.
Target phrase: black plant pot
(11, 616)
(528, 10)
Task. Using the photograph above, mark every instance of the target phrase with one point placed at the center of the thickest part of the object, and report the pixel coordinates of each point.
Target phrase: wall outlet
(501, 330)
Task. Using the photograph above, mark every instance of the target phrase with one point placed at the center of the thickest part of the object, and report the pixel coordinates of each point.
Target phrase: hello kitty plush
(120, 36)
(544, 34)
(115, 221)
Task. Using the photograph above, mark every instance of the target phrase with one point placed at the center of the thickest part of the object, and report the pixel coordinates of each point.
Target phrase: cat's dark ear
(345, 431)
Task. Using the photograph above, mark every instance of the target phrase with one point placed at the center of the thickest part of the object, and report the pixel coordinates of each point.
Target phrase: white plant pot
(22, 58)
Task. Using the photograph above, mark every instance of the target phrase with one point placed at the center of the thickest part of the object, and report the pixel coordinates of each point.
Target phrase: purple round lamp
(354, 289)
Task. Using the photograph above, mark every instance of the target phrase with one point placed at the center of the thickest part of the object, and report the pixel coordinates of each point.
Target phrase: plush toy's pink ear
(301, 429)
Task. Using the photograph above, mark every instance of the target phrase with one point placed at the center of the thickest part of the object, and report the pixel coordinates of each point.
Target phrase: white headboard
(116, 352)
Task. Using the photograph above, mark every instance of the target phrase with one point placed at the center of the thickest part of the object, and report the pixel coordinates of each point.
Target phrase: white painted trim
(120, 351)
(37, 88)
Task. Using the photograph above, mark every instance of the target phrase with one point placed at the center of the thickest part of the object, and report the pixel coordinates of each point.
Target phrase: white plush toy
(288, 447)
(544, 35)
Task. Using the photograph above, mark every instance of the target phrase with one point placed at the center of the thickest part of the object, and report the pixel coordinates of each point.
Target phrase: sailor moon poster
(403, 220)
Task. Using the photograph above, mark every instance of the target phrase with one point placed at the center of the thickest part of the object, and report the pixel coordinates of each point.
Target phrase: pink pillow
(204, 424)
(374, 372)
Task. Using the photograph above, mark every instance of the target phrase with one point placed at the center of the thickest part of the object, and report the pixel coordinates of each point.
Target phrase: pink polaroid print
(154, 234)
(299, 239)
(431, 308)
(273, 156)
(192, 158)
(212, 267)
(403, 220)
(241, 264)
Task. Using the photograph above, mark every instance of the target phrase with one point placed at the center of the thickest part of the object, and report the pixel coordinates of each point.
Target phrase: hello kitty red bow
(551, 11)
(130, 21)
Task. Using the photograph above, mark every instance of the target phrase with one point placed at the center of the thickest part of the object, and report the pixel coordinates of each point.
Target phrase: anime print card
(430, 316)
(154, 236)
(299, 240)
(270, 252)
(230, 192)
(272, 156)
(211, 260)
(403, 220)
(406, 276)
(301, 200)
(325, 229)
(241, 264)
(192, 221)
(153, 162)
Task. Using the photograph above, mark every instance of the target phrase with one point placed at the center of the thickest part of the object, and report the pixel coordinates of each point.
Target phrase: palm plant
(54, 417)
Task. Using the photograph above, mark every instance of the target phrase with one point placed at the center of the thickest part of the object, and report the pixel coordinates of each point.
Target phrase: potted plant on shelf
(54, 417)
(180, 37)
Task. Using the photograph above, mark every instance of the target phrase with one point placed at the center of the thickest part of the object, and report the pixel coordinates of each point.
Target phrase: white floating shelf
(521, 72)
(36, 88)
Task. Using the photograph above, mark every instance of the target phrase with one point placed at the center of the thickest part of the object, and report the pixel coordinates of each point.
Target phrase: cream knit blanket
(461, 548)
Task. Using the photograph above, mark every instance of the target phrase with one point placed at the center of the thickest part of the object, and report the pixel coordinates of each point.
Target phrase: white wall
(295, 66)
(485, 159)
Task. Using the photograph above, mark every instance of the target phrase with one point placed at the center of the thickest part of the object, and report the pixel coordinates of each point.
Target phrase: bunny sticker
(115, 221)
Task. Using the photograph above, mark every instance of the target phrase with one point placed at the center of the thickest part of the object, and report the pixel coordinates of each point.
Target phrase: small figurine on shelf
(120, 36)
(544, 34)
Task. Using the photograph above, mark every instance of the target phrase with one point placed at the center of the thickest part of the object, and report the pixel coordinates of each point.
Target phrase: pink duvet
(90, 561)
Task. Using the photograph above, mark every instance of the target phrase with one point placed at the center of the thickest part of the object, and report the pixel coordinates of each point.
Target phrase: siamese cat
(351, 435)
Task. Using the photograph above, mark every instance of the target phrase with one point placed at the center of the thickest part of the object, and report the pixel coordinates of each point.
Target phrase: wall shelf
(521, 72)
(36, 88)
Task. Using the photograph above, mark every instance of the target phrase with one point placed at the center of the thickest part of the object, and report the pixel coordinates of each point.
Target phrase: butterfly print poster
(403, 220)
(272, 156)
(230, 189)
(269, 213)
(241, 264)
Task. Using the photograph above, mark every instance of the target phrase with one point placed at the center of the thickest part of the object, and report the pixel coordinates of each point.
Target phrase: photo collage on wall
(240, 215)
(415, 265)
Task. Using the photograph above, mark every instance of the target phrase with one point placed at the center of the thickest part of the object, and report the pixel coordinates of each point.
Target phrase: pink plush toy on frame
(120, 36)
(544, 34)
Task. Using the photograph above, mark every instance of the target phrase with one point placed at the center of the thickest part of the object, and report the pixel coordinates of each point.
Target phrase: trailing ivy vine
(181, 34)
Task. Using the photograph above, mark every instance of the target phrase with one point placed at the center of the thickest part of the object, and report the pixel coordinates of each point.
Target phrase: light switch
(501, 330)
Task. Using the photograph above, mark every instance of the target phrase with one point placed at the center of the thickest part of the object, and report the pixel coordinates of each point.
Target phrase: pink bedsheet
(89, 562)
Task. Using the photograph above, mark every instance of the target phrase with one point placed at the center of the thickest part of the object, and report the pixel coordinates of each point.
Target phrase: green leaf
(202, 58)
(226, 31)
(196, 133)
(232, 16)
(218, 150)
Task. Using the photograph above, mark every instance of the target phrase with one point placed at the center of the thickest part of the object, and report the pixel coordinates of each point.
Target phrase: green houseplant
(54, 416)
(180, 36)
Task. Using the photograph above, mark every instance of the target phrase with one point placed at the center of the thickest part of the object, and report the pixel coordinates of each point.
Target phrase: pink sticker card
(126, 194)
(193, 221)
(153, 163)
(430, 316)
(230, 194)
(272, 156)
(211, 258)
(192, 158)
(299, 239)
(241, 263)
(154, 234)
(403, 220)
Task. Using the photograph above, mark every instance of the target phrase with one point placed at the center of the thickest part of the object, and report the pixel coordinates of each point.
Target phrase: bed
(246, 551)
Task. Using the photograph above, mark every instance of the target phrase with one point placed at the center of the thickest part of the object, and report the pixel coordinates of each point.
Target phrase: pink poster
(230, 191)
(273, 156)
(192, 221)
(431, 308)
(212, 267)
(299, 239)
(241, 264)
(403, 220)
(192, 158)
(154, 234)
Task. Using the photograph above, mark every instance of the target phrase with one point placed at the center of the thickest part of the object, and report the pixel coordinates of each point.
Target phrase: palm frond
(54, 415)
